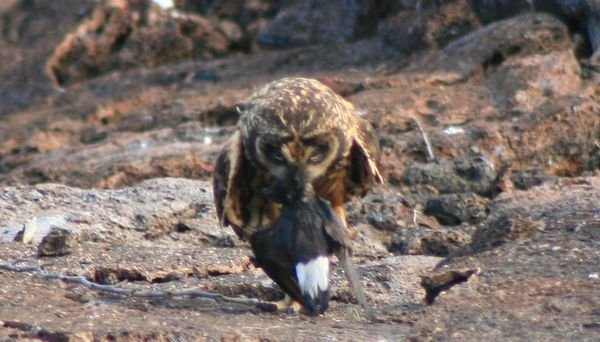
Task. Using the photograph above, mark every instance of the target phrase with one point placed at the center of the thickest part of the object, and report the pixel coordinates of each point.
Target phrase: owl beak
(288, 189)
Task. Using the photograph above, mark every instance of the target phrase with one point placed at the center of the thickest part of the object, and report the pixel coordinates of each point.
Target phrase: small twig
(263, 305)
(414, 217)
(430, 156)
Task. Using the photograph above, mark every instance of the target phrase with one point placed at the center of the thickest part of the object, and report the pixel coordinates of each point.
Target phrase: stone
(585, 12)
(57, 242)
(503, 230)
(311, 22)
(425, 241)
(456, 208)
(120, 34)
(474, 173)
(437, 283)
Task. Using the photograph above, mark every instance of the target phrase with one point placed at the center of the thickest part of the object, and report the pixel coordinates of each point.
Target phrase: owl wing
(227, 188)
(238, 191)
(364, 156)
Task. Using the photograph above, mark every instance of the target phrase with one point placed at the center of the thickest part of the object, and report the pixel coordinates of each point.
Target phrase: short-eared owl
(293, 128)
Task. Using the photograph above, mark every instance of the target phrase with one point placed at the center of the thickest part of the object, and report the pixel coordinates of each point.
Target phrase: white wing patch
(313, 276)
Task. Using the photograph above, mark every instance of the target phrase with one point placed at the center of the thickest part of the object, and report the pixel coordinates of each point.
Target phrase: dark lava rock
(311, 22)
(29, 32)
(581, 15)
(527, 179)
(436, 242)
(434, 284)
(384, 211)
(404, 31)
(454, 209)
(474, 173)
(502, 230)
(498, 42)
(428, 24)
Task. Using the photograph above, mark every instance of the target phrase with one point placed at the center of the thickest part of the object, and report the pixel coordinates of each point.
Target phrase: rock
(474, 173)
(437, 283)
(555, 74)
(509, 274)
(585, 13)
(526, 179)
(385, 212)
(435, 242)
(404, 31)
(120, 35)
(123, 161)
(232, 31)
(30, 32)
(428, 24)
(37, 228)
(154, 210)
(311, 22)
(240, 21)
(498, 42)
(57, 242)
(503, 230)
(454, 209)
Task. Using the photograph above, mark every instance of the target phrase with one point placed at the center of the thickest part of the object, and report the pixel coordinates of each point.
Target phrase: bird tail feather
(344, 255)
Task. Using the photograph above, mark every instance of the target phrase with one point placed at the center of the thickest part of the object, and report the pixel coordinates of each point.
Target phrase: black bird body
(296, 250)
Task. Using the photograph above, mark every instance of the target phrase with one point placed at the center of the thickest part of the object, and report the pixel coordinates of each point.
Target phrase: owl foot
(288, 305)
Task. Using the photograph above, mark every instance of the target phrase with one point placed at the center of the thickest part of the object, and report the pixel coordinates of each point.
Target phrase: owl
(293, 129)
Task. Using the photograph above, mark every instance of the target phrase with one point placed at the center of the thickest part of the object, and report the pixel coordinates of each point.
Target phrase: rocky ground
(112, 113)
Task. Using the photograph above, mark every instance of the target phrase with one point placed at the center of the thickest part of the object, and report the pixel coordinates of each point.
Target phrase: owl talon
(295, 308)
(292, 311)
(288, 305)
(352, 233)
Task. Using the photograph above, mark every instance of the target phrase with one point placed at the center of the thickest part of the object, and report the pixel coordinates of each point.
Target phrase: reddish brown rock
(121, 34)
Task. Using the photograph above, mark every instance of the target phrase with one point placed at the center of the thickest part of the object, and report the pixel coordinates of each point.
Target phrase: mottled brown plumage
(293, 125)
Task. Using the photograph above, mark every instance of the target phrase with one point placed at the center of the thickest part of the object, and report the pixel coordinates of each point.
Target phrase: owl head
(296, 125)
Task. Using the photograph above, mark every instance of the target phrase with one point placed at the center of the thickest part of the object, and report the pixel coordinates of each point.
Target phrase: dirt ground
(112, 114)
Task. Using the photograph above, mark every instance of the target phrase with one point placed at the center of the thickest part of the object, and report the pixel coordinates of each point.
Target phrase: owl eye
(273, 153)
(318, 154)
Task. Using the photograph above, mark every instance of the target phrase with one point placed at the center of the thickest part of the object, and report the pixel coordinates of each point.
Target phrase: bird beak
(288, 189)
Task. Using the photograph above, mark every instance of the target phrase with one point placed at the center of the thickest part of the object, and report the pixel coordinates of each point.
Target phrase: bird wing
(273, 257)
(285, 279)
(335, 230)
